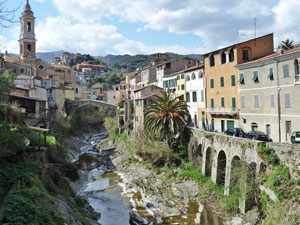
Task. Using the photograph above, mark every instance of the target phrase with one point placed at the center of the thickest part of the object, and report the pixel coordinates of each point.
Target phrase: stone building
(222, 96)
(270, 93)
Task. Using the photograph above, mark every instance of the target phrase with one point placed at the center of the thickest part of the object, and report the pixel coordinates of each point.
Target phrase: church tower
(27, 36)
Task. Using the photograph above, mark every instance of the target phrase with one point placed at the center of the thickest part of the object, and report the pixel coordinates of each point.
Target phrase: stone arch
(197, 153)
(262, 168)
(208, 162)
(296, 65)
(250, 186)
(235, 174)
(29, 47)
(221, 167)
(28, 27)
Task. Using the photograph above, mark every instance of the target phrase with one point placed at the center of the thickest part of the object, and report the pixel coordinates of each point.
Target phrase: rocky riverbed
(124, 191)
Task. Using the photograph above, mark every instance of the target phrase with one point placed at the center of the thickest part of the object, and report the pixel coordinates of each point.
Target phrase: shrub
(268, 154)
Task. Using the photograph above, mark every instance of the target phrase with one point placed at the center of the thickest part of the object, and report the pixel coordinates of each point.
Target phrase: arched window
(254, 126)
(188, 77)
(28, 27)
(231, 55)
(29, 47)
(200, 75)
(211, 60)
(296, 64)
(193, 76)
(222, 57)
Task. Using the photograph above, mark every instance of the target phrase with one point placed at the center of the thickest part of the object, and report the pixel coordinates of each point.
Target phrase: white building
(195, 94)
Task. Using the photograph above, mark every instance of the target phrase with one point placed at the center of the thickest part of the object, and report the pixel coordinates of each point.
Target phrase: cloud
(217, 22)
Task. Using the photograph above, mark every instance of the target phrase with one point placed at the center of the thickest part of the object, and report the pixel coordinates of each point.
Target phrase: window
(178, 77)
(243, 105)
(271, 76)
(272, 99)
(200, 74)
(193, 76)
(168, 65)
(287, 101)
(232, 80)
(288, 127)
(182, 76)
(233, 104)
(256, 101)
(136, 118)
(212, 103)
(296, 64)
(286, 72)
(182, 87)
(255, 77)
(28, 27)
(50, 91)
(231, 55)
(194, 96)
(202, 95)
(22, 71)
(222, 57)
(245, 55)
(211, 60)
(76, 90)
(41, 67)
(137, 102)
(187, 77)
(178, 87)
(188, 97)
(212, 83)
(222, 81)
(242, 79)
(222, 102)
(29, 47)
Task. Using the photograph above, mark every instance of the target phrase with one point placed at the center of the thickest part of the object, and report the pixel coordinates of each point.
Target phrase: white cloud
(12, 46)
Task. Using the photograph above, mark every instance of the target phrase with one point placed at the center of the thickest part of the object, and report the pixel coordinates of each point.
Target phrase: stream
(119, 204)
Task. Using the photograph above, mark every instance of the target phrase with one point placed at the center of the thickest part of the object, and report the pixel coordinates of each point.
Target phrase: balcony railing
(221, 111)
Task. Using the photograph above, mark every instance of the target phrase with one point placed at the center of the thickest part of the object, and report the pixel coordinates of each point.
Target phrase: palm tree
(287, 44)
(165, 117)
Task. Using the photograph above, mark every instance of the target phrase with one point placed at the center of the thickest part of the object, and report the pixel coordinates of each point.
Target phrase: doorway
(223, 125)
(268, 130)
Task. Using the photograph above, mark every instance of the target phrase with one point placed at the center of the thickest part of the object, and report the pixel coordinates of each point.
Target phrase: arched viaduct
(220, 155)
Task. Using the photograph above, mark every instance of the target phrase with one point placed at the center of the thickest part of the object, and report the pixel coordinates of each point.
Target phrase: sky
(101, 27)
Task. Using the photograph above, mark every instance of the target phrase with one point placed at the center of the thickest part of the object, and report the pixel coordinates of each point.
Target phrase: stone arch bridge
(220, 155)
(109, 109)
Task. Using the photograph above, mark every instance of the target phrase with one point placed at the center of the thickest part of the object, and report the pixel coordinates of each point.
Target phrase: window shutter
(222, 81)
(232, 80)
(243, 101)
(222, 102)
(272, 101)
(202, 95)
(211, 83)
(233, 104)
(286, 71)
(287, 100)
(212, 103)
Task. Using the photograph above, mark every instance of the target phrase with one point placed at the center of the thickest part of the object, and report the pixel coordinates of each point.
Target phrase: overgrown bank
(170, 168)
(35, 172)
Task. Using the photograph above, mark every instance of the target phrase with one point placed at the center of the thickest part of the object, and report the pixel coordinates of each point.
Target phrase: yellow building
(180, 90)
(222, 95)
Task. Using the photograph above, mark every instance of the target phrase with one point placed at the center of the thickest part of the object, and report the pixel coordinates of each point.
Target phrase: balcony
(221, 111)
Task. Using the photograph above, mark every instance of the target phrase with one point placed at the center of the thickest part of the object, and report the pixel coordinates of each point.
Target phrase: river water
(103, 187)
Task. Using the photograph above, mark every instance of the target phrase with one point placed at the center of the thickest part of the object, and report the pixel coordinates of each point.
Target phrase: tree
(6, 15)
(166, 117)
(287, 44)
(6, 84)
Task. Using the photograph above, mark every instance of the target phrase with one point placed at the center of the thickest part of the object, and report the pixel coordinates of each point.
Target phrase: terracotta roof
(186, 70)
(12, 59)
(273, 55)
(60, 66)
(96, 86)
(30, 98)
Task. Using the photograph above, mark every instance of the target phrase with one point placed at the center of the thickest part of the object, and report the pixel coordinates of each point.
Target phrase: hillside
(112, 58)
(49, 56)
(132, 63)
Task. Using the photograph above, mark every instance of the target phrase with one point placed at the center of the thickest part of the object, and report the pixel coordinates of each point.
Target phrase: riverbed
(117, 191)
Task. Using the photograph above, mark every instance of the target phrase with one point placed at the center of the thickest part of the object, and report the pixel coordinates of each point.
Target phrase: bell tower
(27, 36)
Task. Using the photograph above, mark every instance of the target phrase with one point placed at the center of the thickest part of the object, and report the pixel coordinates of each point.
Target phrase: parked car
(295, 138)
(237, 132)
(257, 135)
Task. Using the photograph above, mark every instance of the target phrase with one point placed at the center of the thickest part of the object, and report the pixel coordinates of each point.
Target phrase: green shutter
(286, 71)
(222, 102)
(242, 79)
(194, 96)
(202, 95)
(188, 97)
(212, 103)
(232, 80)
(233, 104)
(212, 83)
(222, 81)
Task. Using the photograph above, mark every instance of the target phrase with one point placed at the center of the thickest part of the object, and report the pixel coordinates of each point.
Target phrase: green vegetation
(138, 61)
(287, 45)
(89, 59)
(107, 79)
(268, 154)
(6, 84)
(165, 117)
